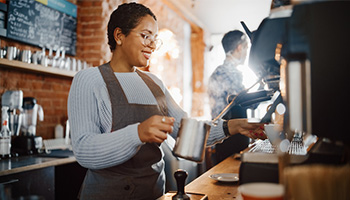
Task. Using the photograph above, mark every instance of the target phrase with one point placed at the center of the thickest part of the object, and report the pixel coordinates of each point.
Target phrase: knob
(180, 177)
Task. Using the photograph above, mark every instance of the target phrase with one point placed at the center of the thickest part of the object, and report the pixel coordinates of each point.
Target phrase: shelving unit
(35, 68)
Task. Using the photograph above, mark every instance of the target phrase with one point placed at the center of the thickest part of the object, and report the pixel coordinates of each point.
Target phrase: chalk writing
(34, 23)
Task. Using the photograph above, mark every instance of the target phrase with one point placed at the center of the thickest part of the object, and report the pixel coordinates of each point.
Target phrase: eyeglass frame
(148, 39)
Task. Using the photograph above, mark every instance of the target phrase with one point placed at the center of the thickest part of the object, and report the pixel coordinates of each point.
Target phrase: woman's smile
(147, 54)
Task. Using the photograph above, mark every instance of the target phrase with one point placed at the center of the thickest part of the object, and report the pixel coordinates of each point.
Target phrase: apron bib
(142, 176)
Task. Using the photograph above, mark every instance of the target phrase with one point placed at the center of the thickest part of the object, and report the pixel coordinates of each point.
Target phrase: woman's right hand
(254, 131)
(155, 129)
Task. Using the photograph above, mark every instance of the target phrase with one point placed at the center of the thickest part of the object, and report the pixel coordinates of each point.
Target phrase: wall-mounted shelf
(35, 68)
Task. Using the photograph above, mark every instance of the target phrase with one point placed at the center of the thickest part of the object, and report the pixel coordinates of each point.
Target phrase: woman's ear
(118, 36)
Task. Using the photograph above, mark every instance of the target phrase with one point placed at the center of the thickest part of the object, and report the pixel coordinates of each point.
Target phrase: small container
(58, 131)
(11, 53)
(26, 56)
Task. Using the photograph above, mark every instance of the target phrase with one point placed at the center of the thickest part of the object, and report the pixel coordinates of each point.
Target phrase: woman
(120, 115)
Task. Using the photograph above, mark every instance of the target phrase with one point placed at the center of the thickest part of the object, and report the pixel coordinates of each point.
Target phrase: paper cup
(261, 191)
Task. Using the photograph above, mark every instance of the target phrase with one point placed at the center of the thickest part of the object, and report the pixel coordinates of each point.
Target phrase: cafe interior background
(191, 31)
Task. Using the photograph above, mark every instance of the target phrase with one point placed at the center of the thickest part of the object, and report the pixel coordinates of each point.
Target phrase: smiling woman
(119, 115)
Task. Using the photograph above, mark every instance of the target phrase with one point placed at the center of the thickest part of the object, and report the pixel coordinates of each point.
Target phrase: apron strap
(156, 91)
(116, 96)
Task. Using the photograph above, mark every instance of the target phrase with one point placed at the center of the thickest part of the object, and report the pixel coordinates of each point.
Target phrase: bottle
(58, 131)
(5, 134)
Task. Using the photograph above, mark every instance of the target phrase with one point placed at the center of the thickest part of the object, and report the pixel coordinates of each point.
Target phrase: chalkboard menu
(37, 24)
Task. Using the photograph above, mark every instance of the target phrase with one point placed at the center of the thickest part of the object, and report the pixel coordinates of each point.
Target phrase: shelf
(35, 68)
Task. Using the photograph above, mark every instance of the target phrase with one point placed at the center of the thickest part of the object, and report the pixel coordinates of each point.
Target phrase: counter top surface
(215, 189)
(211, 188)
(30, 162)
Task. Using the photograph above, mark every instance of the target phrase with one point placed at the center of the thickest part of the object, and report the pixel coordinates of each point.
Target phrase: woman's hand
(155, 129)
(252, 130)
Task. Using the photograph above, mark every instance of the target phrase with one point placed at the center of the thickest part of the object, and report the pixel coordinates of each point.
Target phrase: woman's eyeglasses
(149, 39)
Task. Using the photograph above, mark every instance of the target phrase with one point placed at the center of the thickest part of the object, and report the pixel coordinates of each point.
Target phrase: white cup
(261, 191)
(273, 132)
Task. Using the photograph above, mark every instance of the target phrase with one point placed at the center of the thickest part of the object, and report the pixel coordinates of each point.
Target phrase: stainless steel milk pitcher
(191, 140)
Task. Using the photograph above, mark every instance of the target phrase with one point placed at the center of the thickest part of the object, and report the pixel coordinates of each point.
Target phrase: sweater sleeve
(94, 146)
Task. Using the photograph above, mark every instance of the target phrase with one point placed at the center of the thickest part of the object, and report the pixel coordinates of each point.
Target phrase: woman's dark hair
(126, 17)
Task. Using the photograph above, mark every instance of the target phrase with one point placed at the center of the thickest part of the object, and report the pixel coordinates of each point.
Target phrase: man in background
(227, 80)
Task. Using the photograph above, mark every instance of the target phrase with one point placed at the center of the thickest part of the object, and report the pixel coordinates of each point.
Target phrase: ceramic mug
(261, 191)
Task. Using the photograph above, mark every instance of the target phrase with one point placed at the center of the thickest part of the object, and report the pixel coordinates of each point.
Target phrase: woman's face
(135, 51)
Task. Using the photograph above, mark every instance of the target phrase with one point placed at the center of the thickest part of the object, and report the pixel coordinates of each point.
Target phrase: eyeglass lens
(149, 39)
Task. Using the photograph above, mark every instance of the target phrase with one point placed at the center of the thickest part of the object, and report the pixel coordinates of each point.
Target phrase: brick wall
(93, 16)
(50, 91)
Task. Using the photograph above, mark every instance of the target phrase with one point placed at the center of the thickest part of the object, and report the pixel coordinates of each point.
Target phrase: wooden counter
(213, 189)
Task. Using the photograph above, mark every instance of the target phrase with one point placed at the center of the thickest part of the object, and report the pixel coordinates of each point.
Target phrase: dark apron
(134, 179)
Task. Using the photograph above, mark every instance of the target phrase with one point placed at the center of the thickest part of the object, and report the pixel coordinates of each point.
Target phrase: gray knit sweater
(90, 118)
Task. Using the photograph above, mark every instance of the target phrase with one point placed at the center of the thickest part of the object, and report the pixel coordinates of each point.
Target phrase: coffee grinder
(27, 142)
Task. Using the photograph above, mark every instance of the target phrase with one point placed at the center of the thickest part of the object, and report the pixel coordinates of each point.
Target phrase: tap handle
(180, 176)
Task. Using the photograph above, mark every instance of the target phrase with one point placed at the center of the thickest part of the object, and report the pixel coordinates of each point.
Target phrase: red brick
(90, 11)
(37, 85)
(90, 18)
(24, 83)
(85, 3)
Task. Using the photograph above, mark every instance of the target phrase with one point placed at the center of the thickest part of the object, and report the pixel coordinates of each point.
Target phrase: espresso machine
(306, 46)
(28, 142)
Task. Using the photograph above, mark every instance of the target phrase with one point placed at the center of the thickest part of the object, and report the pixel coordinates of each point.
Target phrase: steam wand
(232, 103)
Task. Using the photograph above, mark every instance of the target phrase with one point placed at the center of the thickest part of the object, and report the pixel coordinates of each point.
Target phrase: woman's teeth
(147, 55)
